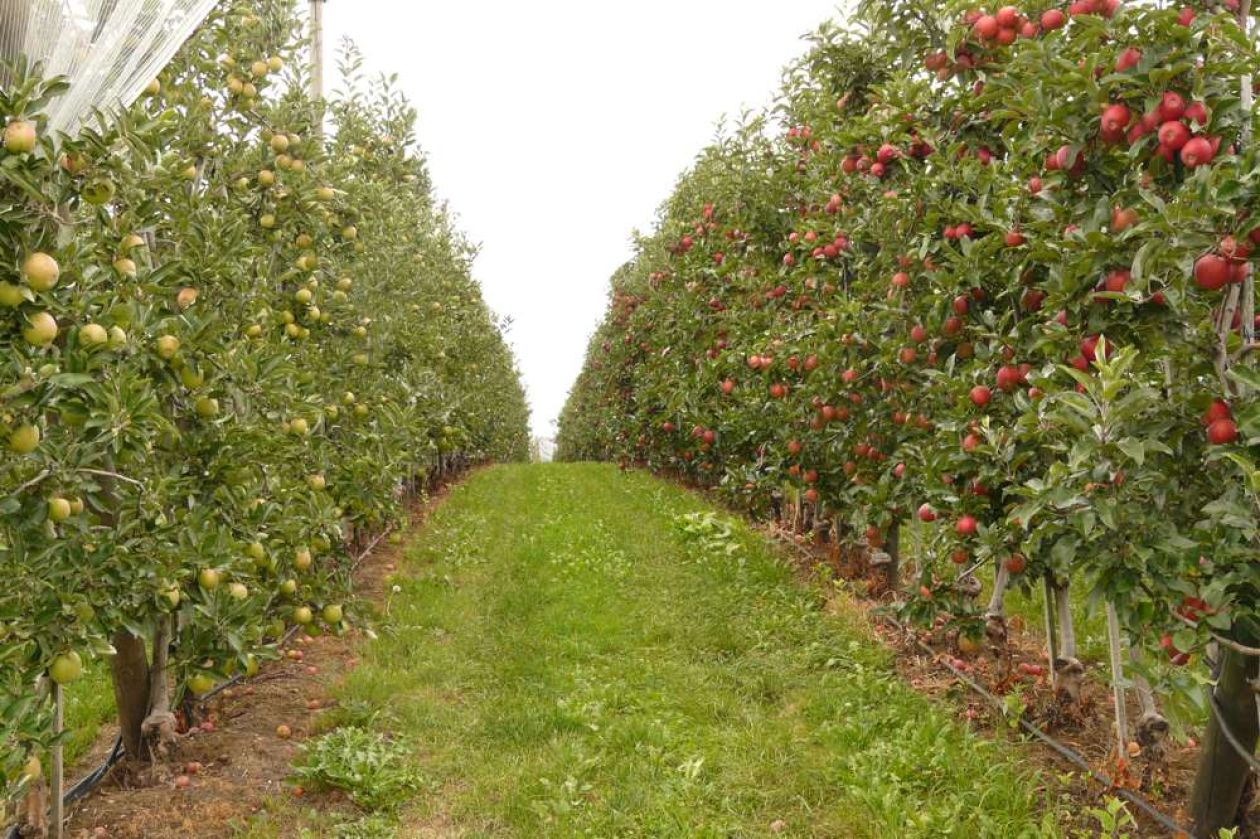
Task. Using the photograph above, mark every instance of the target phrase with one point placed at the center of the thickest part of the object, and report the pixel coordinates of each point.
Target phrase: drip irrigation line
(84, 785)
(1062, 749)
(90, 781)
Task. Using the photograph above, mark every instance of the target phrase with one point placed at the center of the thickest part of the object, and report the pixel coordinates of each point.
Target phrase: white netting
(108, 49)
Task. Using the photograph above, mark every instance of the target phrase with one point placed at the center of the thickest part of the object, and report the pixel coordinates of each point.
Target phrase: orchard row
(991, 269)
(235, 325)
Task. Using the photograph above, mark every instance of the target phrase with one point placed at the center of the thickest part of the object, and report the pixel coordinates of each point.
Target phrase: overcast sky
(555, 127)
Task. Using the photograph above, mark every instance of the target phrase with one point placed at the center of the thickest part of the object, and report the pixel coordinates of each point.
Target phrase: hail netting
(108, 49)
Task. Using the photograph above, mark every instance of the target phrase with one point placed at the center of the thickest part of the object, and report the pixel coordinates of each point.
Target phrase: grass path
(575, 652)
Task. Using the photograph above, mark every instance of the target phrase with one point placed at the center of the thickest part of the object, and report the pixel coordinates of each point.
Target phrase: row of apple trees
(990, 269)
(234, 325)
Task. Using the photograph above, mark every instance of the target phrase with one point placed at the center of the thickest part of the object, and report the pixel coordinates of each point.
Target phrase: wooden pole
(1218, 786)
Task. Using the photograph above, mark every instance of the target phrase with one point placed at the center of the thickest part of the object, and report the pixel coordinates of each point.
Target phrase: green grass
(89, 704)
(575, 652)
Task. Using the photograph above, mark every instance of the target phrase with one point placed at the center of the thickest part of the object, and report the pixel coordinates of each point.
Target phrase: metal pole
(58, 763)
(1117, 686)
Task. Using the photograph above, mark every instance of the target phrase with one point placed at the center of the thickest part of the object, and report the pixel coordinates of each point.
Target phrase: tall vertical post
(58, 780)
(1117, 682)
(317, 50)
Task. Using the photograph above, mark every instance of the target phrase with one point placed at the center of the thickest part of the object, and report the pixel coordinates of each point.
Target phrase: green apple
(93, 335)
(167, 346)
(207, 407)
(41, 329)
(200, 684)
(209, 579)
(41, 271)
(58, 509)
(66, 668)
(24, 439)
(10, 295)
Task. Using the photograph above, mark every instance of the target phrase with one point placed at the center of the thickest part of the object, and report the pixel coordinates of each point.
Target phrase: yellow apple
(20, 137)
(41, 329)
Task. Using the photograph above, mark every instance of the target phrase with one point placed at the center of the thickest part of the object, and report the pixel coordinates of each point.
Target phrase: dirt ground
(1162, 775)
(224, 775)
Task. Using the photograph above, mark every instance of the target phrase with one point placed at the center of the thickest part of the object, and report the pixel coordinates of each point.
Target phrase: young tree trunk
(130, 670)
(1218, 786)
(158, 728)
(995, 612)
(1152, 728)
(887, 562)
(1069, 670)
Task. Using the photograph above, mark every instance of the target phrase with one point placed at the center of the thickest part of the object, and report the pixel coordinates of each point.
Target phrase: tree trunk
(130, 670)
(158, 729)
(1218, 786)
(890, 569)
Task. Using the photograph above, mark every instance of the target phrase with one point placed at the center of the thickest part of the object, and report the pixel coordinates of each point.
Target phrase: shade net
(108, 49)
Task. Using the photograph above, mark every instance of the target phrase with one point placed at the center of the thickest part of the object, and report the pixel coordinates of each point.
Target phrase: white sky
(556, 127)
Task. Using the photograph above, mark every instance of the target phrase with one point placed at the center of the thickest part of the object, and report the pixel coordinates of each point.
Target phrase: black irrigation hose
(1063, 750)
(90, 781)
(84, 785)
(1066, 752)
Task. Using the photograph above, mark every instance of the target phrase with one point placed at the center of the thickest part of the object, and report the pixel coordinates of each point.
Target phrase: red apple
(1115, 118)
(1128, 59)
(1197, 152)
(1222, 432)
(1173, 135)
(967, 526)
(1211, 271)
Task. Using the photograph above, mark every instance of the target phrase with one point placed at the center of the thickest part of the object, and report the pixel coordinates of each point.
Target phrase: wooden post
(58, 780)
(1223, 772)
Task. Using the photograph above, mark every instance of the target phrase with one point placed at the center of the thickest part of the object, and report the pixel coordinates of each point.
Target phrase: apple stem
(1117, 681)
